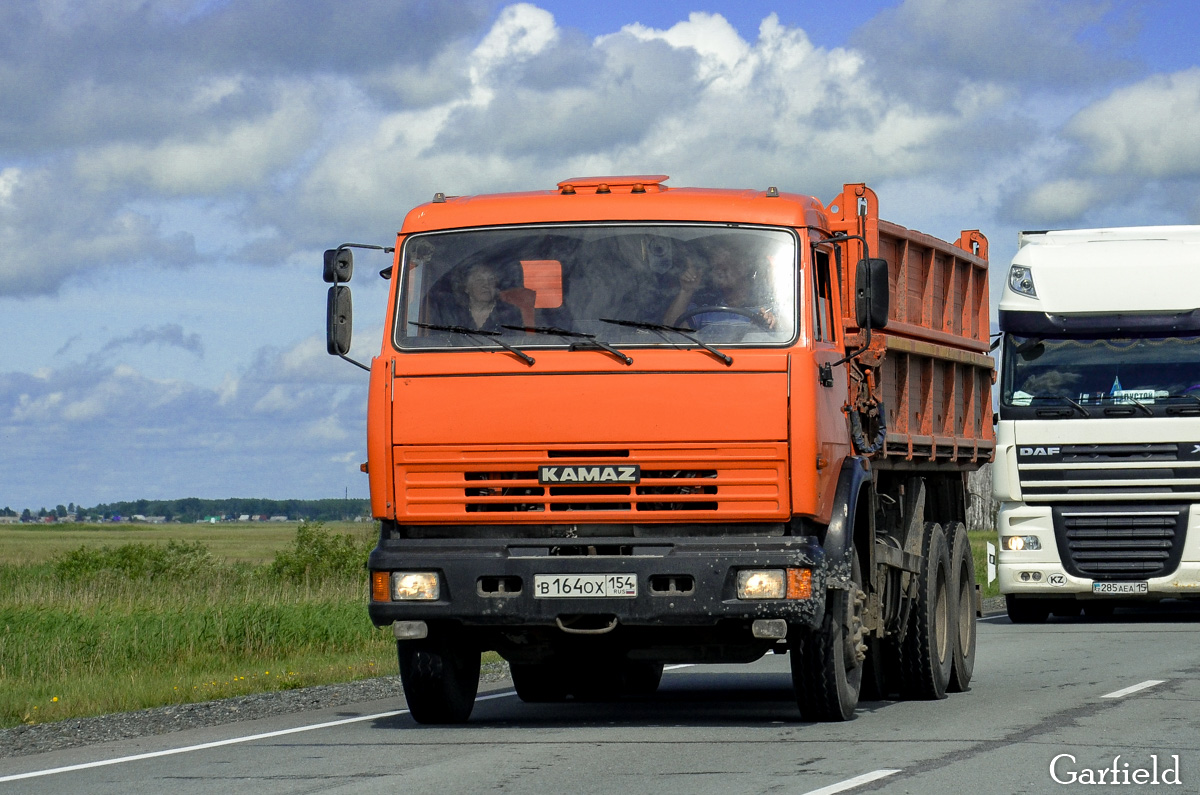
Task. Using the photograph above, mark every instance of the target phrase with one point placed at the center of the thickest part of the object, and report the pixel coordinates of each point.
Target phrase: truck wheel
(927, 652)
(538, 683)
(827, 663)
(962, 566)
(440, 679)
(1026, 611)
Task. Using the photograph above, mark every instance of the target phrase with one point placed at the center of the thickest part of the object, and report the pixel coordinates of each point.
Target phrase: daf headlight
(1020, 280)
(1020, 543)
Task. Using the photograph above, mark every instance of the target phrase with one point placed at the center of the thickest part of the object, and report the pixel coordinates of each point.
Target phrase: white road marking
(851, 783)
(246, 739)
(1133, 688)
(229, 741)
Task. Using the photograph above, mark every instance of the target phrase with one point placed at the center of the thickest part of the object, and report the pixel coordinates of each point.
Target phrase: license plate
(584, 586)
(1120, 587)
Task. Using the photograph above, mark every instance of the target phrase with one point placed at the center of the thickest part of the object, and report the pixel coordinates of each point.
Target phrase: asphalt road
(1079, 691)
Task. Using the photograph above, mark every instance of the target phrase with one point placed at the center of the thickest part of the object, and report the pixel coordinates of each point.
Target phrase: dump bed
(929, 369)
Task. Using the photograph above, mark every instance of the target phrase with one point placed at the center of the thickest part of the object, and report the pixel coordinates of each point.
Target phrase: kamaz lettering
(589, 474)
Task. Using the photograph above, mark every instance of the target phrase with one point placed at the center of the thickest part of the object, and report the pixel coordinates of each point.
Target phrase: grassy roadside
(979, 540)
(104, 628)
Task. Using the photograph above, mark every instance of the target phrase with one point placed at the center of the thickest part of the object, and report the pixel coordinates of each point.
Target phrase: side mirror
(871, 293)
(339, 265)
(339, 320)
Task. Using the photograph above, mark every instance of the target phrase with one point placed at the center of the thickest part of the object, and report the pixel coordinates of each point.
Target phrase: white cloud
(1148, 129)
(242, 155)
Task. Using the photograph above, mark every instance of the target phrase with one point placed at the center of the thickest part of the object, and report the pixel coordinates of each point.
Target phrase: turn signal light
(799, 583)
(380, 586)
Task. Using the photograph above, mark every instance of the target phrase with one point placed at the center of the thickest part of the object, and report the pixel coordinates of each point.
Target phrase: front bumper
(680, 582)
(1042, 573)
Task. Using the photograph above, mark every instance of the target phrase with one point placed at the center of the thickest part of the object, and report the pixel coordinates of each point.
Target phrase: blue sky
(170, 171)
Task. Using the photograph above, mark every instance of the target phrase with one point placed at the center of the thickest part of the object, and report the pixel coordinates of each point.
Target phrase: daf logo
(1031, 451)
(589, 474)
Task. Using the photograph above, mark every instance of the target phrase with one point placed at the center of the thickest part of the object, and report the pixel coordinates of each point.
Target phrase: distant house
(10, 519)
(278, 519)
(244, 517)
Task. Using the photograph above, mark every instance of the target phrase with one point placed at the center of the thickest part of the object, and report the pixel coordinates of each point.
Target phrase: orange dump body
(929, 368)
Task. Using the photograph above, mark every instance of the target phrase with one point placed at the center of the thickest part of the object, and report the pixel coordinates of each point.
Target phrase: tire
(827, 663)
(962, 591)
(927, 651)
(1066, 609)
(1026, 611)
(440, 679)
(538, 683)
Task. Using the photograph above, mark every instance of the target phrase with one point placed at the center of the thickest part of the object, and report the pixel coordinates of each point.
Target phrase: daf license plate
(1120, 588)
(584, 586)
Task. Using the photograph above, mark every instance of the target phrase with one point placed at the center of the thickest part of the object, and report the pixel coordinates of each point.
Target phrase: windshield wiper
(488, 335)
(1066, 400)
(683, 332)
(1147, 411)
(562, 332)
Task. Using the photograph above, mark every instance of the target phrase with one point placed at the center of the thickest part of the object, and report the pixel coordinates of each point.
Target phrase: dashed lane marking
(1133, 688)
(851, 783)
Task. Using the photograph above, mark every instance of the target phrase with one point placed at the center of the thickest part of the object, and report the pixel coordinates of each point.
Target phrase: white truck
(1097, 468)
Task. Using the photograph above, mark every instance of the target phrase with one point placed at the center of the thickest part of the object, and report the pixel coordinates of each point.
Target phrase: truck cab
(1098, 445)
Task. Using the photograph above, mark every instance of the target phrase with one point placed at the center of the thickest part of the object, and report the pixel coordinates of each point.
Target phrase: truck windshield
(1142, 373)
(624, 285)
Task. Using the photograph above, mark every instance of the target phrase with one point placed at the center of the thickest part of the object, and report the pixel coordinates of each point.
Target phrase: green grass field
(96, 620)
(254, 543)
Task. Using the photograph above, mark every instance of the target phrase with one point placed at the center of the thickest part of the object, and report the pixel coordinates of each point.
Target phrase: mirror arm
(354, 362)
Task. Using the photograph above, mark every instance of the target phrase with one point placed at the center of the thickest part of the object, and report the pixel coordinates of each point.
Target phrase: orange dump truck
(615, 425)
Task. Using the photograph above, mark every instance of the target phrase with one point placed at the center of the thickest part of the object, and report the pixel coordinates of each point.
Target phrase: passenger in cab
(477, 304)
(730, 278)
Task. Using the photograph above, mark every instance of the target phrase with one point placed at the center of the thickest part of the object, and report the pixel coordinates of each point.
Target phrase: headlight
(410, 586)
(1020, 280)
(768, 584)
(1020, 543)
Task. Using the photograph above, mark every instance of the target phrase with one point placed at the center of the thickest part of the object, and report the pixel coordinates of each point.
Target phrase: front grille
(1110, 472)
(1121, 542)
(704, 483)
(660, 490)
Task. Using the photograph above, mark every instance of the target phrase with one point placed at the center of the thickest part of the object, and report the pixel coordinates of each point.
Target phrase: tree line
(195, 509)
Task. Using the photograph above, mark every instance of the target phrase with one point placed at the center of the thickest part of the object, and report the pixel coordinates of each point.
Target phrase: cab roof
(634, 198)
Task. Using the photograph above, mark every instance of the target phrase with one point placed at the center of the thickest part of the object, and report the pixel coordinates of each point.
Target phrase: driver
(733, 281)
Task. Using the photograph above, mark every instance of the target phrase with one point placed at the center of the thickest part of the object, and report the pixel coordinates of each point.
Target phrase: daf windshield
(1134, 375)
(555, 286)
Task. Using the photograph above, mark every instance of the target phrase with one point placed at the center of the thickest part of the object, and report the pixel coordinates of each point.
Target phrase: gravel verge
(42, 737)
